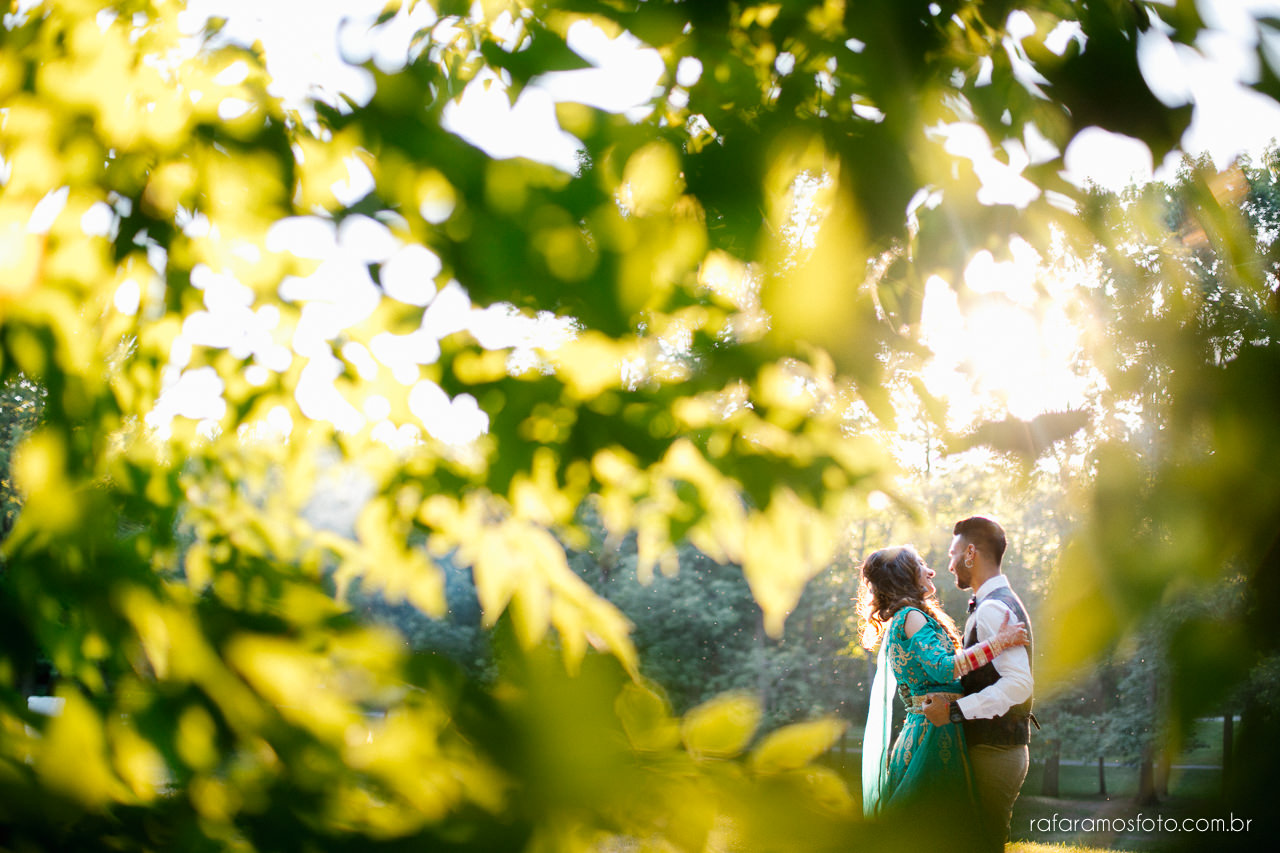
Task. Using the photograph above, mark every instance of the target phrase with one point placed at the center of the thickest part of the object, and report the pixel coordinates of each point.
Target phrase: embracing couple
(957, 765)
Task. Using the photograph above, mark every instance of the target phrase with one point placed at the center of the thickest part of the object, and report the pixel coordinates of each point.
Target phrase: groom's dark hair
(983, 534)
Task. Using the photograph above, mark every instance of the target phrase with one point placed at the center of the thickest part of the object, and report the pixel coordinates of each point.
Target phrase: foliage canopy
(724, 384)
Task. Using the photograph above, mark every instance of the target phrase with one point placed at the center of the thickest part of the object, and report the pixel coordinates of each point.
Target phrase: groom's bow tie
(973, 603)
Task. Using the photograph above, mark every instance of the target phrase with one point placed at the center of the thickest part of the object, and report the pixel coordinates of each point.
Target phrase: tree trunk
(1147, 794)
(1102, 776)
(1049, 787)
(1228, 747)
(1147, 778)
(1162, 773)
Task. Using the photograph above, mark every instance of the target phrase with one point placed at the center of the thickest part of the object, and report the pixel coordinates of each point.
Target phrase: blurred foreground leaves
(735, 280)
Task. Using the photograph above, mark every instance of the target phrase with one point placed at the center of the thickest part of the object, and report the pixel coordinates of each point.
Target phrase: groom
(996, 706)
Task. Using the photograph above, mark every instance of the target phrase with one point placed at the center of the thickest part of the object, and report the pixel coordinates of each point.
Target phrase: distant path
(1093, 762)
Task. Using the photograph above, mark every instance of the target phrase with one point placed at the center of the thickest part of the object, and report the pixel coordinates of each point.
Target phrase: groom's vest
(1013, 728)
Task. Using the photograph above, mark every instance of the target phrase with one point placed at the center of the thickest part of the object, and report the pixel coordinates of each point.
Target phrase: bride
(928, 767)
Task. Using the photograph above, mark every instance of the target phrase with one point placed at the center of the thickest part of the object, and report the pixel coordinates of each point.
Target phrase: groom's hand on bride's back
(937, 709)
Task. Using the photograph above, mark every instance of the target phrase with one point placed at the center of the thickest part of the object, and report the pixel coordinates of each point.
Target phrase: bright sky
(1017, 351)
(305, 57)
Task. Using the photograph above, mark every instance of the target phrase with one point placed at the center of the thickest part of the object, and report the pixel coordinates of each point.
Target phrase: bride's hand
(937, 712)
(1011, 634)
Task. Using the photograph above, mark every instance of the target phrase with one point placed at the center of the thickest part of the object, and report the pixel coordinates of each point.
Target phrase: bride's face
(925, 580)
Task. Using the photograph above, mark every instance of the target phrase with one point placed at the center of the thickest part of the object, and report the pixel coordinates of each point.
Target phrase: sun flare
(1002, 345)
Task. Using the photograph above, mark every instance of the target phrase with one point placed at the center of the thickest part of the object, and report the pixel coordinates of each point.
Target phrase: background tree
(699, 633)
(19, 414)
(1186, 298)
(719, 385)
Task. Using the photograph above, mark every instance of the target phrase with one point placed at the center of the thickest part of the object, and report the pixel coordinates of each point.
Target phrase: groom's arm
(1013, 666)
(1013, 686)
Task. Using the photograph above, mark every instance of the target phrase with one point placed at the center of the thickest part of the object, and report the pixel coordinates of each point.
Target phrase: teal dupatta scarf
(878, 733)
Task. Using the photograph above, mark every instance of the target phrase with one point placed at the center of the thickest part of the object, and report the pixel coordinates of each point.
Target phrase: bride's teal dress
(927, 772)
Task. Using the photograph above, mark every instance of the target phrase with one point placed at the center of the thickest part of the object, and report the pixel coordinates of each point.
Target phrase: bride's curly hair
(891, 580)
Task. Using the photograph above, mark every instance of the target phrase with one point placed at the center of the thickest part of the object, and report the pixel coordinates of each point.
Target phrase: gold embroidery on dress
(907, 745)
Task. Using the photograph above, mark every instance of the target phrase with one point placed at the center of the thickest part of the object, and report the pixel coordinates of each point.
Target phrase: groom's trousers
(998, 773)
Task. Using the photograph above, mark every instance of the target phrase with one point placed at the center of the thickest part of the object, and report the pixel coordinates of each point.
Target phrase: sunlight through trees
(716, 334)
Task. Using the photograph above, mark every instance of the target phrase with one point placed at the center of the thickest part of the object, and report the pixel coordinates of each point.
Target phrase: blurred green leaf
(792, 747)
(721, 727)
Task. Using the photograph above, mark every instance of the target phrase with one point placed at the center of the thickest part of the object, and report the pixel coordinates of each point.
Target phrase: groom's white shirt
(1014, 665)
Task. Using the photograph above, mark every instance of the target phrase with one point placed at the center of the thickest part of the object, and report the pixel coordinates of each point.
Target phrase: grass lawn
(1204, 745)
(1081, 780)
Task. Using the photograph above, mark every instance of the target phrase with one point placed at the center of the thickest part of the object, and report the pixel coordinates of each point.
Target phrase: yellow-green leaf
(721, 727)
(794, 746)
(647, 719)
